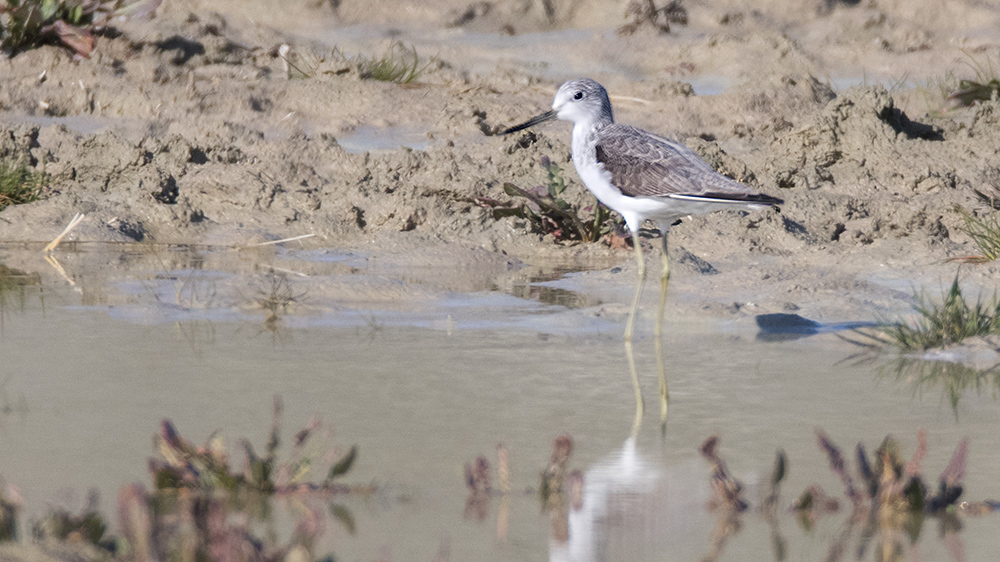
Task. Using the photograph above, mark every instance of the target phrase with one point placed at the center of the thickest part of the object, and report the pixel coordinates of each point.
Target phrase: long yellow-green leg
(635, 385)
(631, 326)
(664, 280)
(638, 286)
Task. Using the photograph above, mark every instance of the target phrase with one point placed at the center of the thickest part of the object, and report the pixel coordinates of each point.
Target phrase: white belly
(661, 210)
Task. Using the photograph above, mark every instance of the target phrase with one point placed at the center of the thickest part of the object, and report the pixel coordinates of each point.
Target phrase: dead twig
(77, 219)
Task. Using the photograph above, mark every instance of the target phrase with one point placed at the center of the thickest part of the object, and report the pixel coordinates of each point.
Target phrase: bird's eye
(578, 96)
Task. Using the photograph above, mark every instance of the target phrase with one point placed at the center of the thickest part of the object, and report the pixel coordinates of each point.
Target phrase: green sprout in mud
(962, 92)
(72, 23)
(19, 183)
(983, 87)
(942, 324)
(400, 64)
(547, 212)
(971, 91)
(985, 233)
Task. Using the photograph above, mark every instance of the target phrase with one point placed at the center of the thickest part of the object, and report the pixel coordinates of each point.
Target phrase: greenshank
(641, 176)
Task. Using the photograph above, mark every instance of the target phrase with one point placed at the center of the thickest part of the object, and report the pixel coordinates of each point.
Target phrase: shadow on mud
(785, 327)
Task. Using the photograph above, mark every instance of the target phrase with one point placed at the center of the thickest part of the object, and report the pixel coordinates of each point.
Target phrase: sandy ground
(188, 128)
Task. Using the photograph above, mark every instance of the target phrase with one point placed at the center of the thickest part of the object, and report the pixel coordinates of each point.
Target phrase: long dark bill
(547, 116)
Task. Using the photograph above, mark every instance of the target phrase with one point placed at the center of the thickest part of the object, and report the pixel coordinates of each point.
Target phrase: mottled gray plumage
(642, 164)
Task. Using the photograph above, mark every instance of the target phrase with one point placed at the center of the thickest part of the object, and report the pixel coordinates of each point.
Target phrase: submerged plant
(887, 494)
(10, 505)
(560, 488)
(727, 490)
(479, 482)
(891, 485)
(204, 508)
(949, 322)
(547, 211)
(985, 233)
(184, 465)
(73, 23)
(274, 294)
(400, 64)
(19, 183)
(87, 526)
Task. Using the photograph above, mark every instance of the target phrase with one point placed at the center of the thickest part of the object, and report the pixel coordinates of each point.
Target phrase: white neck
(581, 132)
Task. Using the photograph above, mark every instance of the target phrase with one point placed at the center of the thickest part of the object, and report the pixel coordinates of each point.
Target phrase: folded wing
(645, 165)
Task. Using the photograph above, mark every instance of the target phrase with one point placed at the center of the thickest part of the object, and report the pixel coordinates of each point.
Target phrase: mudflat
(222, 122)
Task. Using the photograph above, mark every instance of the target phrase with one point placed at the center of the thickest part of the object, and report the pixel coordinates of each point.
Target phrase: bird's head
(580, 101)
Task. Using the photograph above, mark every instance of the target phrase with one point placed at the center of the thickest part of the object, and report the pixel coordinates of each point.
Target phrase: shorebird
(641, 176)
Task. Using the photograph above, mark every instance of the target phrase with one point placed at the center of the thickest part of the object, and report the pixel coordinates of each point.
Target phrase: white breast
(598, 180)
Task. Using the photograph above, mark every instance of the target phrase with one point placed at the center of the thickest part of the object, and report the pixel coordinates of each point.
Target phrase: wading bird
(641, 176)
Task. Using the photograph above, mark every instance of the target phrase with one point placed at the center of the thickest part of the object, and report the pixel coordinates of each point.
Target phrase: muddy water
(100, 345)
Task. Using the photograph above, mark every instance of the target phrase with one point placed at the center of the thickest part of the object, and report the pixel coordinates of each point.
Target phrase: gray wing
(645, 165)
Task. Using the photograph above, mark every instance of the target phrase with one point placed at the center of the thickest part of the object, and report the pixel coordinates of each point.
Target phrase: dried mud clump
(871, 172)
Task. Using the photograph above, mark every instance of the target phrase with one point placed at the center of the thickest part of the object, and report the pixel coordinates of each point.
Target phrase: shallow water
(367, 138)
(424, 378)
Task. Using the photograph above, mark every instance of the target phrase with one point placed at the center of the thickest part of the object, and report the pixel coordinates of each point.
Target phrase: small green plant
(27, 23)
(969, 91)
(939, 325)
(274, 294)
(399, 64)
(19, 184)
(547, 211)
(985, 232)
